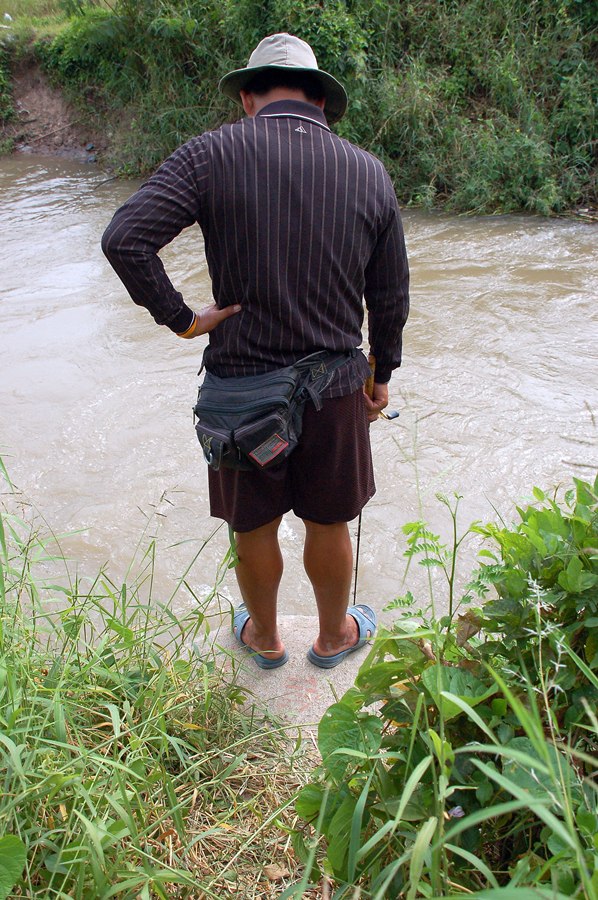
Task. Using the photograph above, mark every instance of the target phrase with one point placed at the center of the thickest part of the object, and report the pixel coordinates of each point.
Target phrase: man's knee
(263, 532)
(330, 529)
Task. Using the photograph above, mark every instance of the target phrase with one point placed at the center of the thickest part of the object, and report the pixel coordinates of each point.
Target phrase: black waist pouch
(255, 421)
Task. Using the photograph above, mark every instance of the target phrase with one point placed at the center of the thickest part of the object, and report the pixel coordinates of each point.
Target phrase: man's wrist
(190, 330)
(181, 321)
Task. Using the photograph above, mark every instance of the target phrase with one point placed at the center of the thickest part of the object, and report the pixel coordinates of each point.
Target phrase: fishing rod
(369, 389)
(393, 414)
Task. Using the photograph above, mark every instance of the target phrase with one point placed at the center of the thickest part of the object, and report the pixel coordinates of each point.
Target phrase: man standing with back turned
(299, 227)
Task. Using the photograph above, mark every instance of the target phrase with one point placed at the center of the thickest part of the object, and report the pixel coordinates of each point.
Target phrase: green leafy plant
(13, 855)
(464, 756)
(6, 104)
(545, 574)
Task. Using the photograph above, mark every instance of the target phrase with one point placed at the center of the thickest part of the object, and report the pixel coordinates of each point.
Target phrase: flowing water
(498, 391)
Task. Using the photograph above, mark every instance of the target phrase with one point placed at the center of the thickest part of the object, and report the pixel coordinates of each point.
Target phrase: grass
(33, 9)
(130, 766)
(30, 19)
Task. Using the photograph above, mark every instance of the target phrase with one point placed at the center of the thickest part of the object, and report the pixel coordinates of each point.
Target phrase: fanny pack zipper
(243, 407)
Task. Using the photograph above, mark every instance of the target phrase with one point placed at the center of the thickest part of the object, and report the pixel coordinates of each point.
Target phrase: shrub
(6, 105)
(477, 771)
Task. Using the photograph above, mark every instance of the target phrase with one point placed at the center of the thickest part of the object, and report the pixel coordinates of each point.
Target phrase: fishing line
(356, 560)
(369, 390)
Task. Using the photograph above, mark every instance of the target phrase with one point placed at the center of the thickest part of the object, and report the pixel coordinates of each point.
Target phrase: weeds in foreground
(463, 761)
(130, 765)
(478, 773)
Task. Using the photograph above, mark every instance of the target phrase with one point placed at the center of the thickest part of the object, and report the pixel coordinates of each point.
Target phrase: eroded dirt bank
(45, 123)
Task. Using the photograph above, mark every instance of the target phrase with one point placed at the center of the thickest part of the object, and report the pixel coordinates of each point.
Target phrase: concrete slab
(298, 692)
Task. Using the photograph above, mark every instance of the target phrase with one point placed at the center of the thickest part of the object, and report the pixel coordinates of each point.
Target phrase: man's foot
(361, 626)
(243, 630)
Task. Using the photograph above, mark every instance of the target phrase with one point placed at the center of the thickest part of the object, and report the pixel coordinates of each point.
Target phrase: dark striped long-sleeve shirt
(299, 227)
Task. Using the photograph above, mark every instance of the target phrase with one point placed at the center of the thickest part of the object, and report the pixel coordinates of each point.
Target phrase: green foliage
(119, 747)
(28, 19)
(32, 9)
(481, 106)
(478, 771)
(144, 66)
(6, 105)
(505, 170)
(90, 45)
(13, 855)
(547, 574)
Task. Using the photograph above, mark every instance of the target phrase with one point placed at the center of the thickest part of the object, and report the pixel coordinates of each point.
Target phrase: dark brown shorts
(328, 478)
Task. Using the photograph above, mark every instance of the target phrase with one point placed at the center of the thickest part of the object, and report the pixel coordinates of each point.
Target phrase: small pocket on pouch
(216, 444)
(266, 441)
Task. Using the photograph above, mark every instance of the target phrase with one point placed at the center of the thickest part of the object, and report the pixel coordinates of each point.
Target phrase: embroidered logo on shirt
(301, 129)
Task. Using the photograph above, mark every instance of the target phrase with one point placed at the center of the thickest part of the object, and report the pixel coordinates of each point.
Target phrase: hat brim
(335, 95)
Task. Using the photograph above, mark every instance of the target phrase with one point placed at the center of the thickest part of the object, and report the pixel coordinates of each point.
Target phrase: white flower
(456, 812)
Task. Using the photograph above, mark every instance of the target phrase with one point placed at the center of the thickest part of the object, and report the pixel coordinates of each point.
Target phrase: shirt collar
(296, 109)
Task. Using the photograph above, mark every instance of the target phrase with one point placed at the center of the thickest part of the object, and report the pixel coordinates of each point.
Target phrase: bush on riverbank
(480, 107)
(6, 106)
(478, 773)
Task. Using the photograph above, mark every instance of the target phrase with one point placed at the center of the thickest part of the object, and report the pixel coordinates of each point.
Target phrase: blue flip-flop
(240, 619)
(366, 621)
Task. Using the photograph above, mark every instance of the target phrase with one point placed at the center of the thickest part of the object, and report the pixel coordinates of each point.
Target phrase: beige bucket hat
(284, 52)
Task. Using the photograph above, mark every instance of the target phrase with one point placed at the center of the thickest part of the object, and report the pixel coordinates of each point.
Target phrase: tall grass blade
(579, 662)
(474, 861)
(386, 876)
(355, 834)
(512, 893)
(538, 807)
(469, 712)
(418, 853)
(485, 815)
(528, 717)
(505, 752)
(388, 827)
(3, 546)
(4, 473)
(293, 892)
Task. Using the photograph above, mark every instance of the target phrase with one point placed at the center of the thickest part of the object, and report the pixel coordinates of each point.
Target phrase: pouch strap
(318, 369)
(323, 361)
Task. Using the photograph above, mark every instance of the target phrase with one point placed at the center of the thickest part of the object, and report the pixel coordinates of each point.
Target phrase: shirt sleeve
(168, 202)
(387, 291)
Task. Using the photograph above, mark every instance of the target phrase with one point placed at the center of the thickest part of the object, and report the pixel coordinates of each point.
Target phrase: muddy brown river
(498, 391)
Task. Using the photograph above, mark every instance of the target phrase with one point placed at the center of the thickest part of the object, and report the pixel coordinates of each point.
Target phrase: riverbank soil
(45, 123)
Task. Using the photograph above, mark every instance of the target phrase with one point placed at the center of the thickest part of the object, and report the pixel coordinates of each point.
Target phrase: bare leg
(258, 572)
(328, 560)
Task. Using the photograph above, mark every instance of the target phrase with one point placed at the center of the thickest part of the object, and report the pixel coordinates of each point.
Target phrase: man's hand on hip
(377, 402)
(207, 319)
